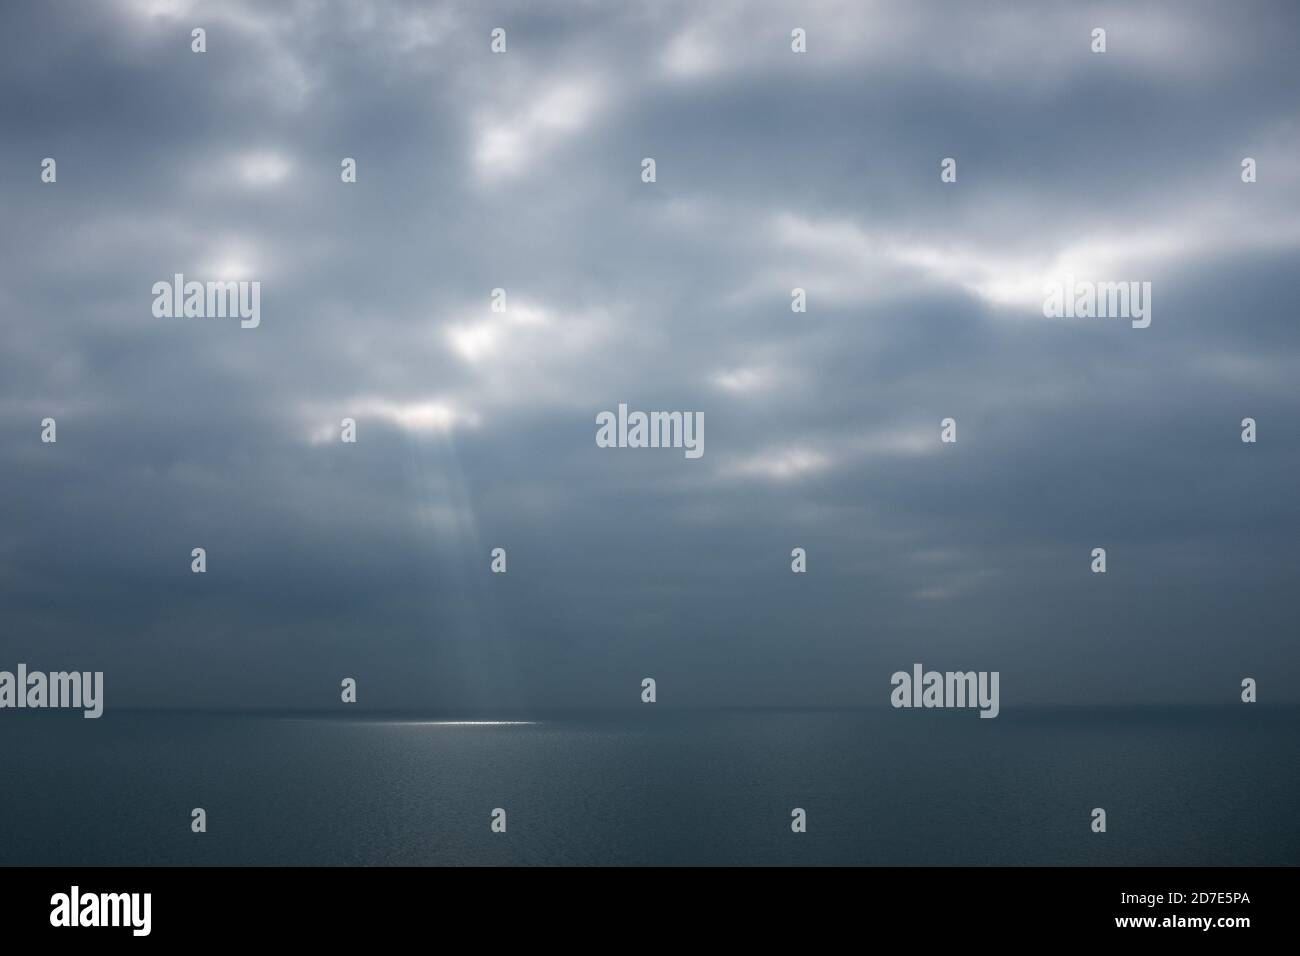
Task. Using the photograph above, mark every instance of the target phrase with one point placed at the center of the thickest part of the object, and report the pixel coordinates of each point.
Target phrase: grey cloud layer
(477, 429)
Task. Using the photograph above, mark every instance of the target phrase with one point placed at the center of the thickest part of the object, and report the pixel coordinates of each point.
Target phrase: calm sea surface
(1180, 787)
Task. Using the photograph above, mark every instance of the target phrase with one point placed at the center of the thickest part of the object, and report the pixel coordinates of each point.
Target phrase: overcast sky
(477, 429)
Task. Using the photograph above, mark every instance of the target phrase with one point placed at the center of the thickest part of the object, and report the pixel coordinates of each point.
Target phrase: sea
(656, 787)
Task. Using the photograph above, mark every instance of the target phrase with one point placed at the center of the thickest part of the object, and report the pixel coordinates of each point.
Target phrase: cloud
(476, 428)
(507, 144)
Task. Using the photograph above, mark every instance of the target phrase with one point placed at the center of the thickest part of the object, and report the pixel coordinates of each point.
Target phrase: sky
(476, 429)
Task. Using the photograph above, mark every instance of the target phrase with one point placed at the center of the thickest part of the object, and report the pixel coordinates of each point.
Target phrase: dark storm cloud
(477, 429)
